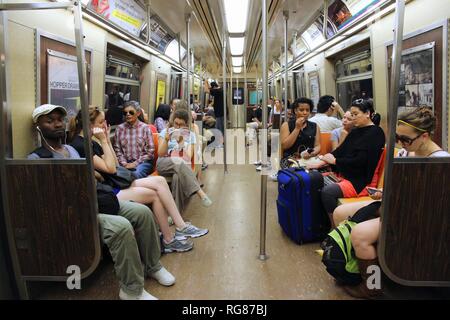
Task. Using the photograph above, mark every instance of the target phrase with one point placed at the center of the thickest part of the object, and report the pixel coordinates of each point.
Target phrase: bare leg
(364, 237)
(201, 194)
(160, 186)
(149, 197)
(344, 211)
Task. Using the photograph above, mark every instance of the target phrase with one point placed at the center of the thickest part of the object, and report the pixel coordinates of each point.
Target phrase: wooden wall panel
(51, 218)
(417, 246)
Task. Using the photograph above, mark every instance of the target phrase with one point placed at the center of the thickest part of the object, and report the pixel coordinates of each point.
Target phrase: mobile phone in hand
(372, 191)
(310, 150)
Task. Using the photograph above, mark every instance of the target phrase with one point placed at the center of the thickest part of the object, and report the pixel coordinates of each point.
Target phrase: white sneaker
(164, 277)
(274, 177)
(143, 296)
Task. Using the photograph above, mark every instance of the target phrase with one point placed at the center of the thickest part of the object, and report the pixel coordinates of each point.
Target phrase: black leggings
(330, 196)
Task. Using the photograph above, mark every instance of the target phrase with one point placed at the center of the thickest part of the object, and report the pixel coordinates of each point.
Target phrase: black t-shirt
(78, 144)
(358, 156)
(258, 114)
(305, 140)
(217, 93)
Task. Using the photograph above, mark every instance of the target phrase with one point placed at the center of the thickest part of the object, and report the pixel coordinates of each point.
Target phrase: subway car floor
(224, 264)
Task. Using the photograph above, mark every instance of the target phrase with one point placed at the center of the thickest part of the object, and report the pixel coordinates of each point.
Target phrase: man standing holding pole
(217, 92)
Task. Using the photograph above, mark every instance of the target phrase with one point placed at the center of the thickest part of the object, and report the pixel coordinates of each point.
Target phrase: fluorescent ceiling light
(237, 69)
(237, 46)
(236, 61)
(236, 13)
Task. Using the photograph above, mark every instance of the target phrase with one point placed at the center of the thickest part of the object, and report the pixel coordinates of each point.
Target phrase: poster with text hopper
(63, 85)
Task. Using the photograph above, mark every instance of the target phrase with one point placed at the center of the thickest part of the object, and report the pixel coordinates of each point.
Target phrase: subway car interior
(231, 150)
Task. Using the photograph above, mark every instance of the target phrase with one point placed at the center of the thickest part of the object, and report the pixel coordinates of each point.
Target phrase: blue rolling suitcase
(300, 210)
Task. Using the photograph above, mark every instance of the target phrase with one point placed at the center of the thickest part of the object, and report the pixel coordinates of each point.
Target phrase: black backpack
(338, 254)
(106, 198)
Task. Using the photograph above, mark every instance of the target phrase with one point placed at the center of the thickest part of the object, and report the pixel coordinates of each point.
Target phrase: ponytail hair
(422, 119)
(367, 106)
(376, 119)
(76, 123)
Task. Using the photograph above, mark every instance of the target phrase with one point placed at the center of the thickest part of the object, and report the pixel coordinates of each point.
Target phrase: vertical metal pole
(286, 19)
(231, 88)
(224, 88)
(245, 86)
(84, 101)
(237, 84)
(392, 114)
(82, 78)
(7, 152)
(192, 82)
(262, 252)
(237, 103)
(180, 60)
(149, 29)
(188, 67)
(325, 18)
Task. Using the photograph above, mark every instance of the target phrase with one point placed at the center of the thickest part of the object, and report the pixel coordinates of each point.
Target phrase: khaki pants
(130, 235)
(184, 183)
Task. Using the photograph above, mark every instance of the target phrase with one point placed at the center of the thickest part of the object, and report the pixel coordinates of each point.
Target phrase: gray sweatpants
(130, 235)
(184, 183)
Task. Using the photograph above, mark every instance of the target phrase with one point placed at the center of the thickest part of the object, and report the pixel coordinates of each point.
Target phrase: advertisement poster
(342, 12)
(314, 87)
(127, 14)
(63, 86)
(160, 92)
(416, 77)
(238, 96)
(313, 36)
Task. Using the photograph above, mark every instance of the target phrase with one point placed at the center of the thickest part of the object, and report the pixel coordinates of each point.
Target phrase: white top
(179, 139)
(441, 153)
(326, 123)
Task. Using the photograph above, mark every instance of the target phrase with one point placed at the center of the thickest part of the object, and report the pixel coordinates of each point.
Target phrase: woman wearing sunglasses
(413, 133)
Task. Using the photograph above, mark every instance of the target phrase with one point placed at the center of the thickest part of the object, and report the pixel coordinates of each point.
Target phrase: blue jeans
(143, 170)
(219, 124)
(220, 127)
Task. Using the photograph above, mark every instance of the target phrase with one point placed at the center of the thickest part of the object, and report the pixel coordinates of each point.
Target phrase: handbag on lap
(122, 179)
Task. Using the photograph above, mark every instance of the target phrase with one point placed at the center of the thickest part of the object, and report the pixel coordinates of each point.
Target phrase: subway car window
(217, 151)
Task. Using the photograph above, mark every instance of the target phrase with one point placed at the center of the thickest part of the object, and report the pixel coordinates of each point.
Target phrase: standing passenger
(217, 92)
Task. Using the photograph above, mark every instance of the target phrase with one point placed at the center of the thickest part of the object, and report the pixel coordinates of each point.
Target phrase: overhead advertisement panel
(126, 14)
(344, 12)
